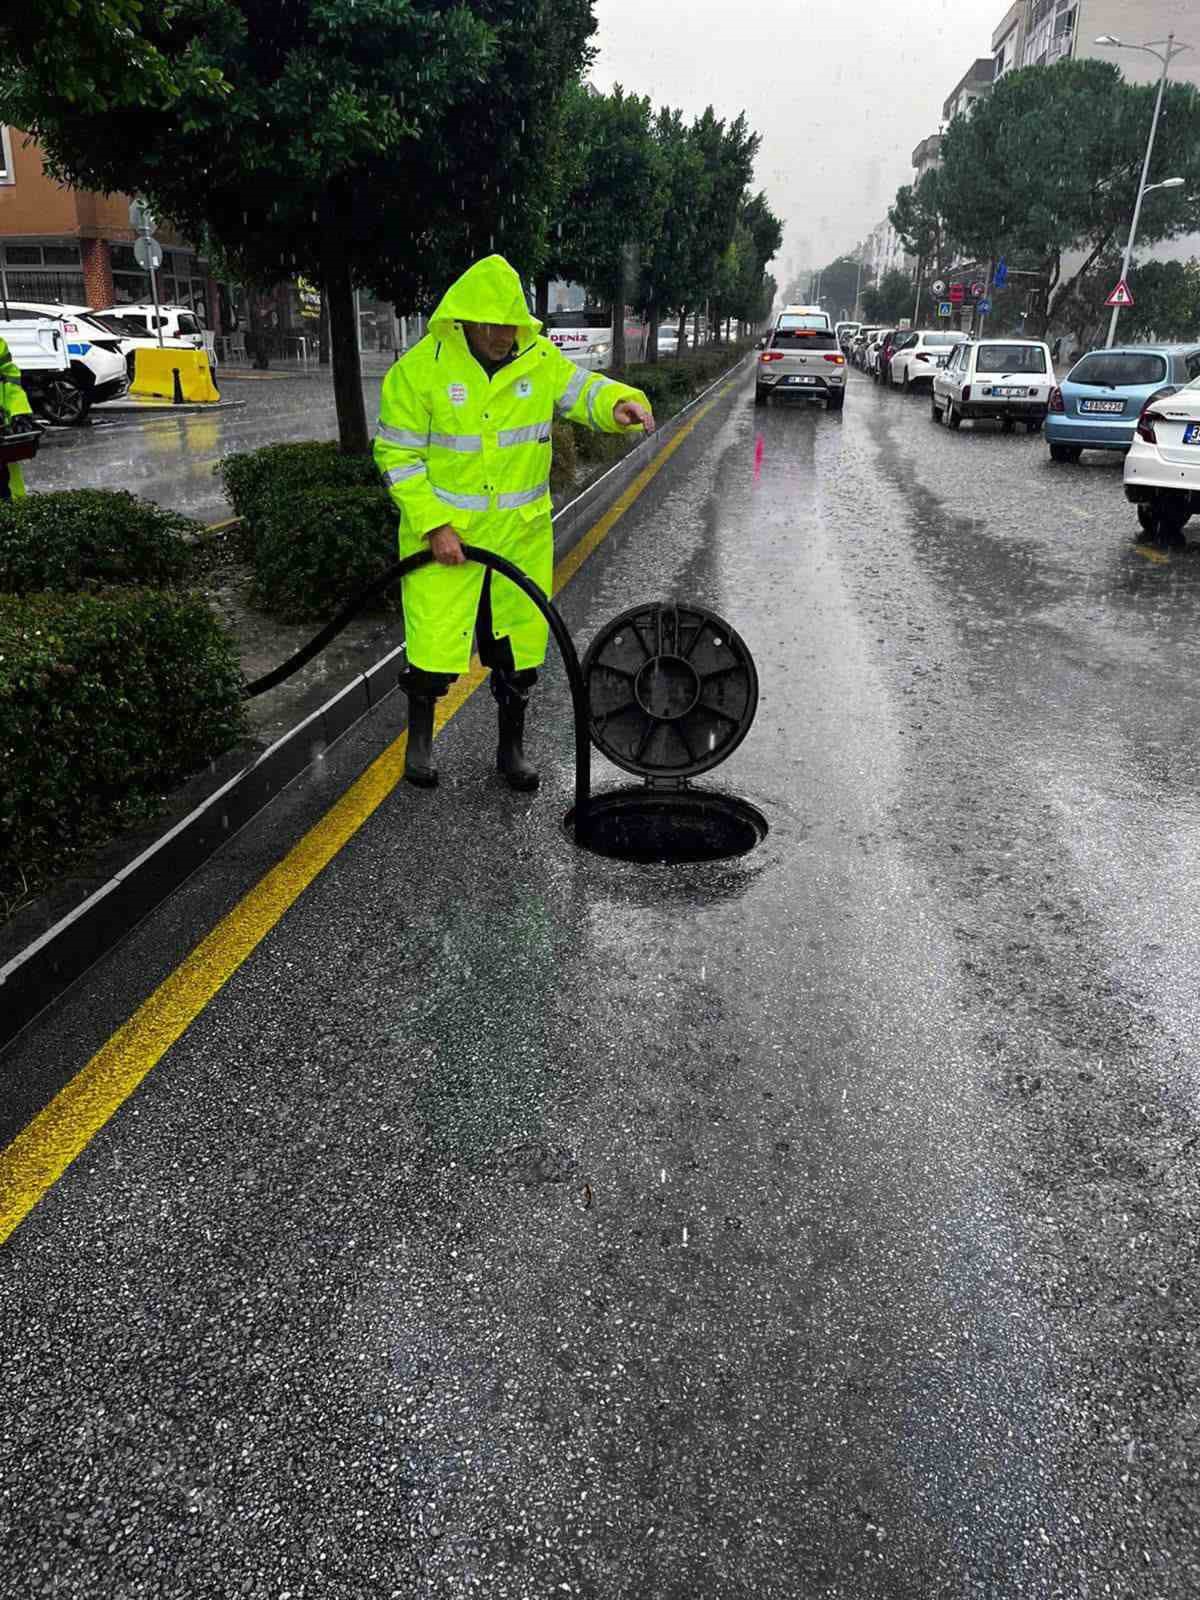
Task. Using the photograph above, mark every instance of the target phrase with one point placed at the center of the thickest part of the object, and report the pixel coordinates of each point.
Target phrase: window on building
(7, 175)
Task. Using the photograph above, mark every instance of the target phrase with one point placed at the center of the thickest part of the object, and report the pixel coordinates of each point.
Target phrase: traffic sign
(945, 309)
(1120, 295)
(957, 293)
(142, 218)
(978, 290)
(1000, 275)
(984, 307)
(937, 287)
(148, 253)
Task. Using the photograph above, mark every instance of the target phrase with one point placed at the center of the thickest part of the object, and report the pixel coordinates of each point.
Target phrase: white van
(585, 336)
(97, 369)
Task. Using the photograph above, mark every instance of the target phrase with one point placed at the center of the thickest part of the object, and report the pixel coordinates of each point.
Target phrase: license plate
(1191, 434)
(1008, 392)
(799, 380)
(1114, 406)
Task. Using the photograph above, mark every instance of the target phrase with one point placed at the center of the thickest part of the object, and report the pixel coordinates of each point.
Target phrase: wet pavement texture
(818, 1225)
(173, 459)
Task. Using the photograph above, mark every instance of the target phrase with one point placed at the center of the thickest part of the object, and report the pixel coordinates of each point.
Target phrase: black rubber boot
(418, 756)
(512, 697)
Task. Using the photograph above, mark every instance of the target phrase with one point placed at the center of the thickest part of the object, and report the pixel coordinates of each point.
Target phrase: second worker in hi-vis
(464, 447)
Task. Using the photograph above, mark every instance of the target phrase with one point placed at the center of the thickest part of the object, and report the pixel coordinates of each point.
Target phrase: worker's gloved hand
(631, 415)
(446, 546)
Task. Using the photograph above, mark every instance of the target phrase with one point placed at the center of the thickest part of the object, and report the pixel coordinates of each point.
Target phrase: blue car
(1101, 398)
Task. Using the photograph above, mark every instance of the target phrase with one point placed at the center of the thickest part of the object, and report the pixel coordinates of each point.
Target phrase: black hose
(485, 558)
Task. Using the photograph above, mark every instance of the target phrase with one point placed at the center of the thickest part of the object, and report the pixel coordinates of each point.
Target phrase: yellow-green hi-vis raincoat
(14, 402)
(457, 447)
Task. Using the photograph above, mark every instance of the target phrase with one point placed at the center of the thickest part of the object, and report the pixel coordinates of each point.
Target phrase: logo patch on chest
(524, 388)
(457, 393)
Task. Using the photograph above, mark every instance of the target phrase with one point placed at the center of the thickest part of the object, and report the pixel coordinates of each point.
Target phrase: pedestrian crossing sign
(1120, 295)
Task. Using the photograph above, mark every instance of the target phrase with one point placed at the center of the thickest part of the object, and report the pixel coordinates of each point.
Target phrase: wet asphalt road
(819, 1225)
(173, 459)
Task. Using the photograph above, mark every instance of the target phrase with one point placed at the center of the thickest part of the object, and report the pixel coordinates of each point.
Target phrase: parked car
(802, 360)
(1006, 379)
(38, 347)
(888, 343)
(137, 329)
(1162, 469)
(858, 346)
(873, 352)
(920, 355)
(1098, 404)
(97, 370)
(668, 341)
(844, 332)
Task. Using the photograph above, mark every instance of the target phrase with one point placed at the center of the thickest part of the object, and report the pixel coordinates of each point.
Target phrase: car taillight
(771, 355)
(1145, 425)
(838, 361)
(1056, 400)
(966, 394)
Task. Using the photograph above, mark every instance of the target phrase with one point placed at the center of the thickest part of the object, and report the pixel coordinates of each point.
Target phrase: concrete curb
(38, 975)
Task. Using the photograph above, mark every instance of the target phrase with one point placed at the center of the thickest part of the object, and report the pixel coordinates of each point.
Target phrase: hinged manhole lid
(672, 690)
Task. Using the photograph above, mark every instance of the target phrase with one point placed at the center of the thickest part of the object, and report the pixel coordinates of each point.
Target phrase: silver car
(802, 358)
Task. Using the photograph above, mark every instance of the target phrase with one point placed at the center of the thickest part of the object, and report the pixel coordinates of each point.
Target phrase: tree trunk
(618, 315)
(696, 329)
(347, 365)
(681, 337)
(652, 334)
(541, 308)
(323, 332)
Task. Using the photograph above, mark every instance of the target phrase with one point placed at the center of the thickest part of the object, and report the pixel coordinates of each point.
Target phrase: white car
(97, 369)
(1006, 379)
(137, 329)
(1162, 468)
(922, 354)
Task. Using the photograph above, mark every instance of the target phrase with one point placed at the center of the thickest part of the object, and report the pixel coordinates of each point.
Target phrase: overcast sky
(841, 92)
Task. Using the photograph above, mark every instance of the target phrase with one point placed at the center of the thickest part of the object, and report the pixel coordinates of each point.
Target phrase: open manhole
(672, 691)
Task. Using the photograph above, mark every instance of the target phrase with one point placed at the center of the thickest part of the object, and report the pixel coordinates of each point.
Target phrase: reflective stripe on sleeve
(398, 474)
(522, 497)
(572, 392)
(404, 436)
(465, 502)
(600, 383)
(535, 433)
(457, 441)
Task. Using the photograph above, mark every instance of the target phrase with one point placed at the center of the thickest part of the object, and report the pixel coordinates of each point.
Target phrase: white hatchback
(920, 356)
(1009, 380)
(1162, 469)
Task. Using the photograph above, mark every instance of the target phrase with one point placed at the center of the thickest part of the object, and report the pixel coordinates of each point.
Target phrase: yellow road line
(46, 1147)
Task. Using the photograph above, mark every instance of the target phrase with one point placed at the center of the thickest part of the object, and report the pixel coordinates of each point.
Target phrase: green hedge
(104, 704)
(257, 478)
(314, 551)
(89, 539)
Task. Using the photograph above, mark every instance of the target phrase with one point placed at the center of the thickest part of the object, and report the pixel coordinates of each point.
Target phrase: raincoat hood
(489, 291)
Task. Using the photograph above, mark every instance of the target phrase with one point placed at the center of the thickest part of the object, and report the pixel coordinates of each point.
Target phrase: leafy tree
(757, 236)
(839, 285)
(384, 143)
(889, 300)
(1166, 298)
(668, 257)
(1048, 167)
(615, 210)
(727, 165)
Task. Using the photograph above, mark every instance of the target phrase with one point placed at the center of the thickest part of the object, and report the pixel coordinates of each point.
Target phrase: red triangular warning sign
(1120, 295)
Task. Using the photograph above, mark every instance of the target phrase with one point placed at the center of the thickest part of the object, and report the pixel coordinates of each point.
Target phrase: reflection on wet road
(819, 1224)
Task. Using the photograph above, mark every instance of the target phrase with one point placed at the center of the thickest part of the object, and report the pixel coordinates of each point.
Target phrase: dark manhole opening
(670, 826)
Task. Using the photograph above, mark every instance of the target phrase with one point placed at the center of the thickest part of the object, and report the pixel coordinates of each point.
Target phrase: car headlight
(601, 349)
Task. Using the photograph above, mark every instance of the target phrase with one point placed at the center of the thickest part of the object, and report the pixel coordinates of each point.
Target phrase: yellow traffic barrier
(177, 375)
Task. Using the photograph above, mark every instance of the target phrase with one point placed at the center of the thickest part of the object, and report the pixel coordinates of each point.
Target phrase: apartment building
(69, 245)
(1057, 30)
(926, 156)
(1008, 40)
(975, 84)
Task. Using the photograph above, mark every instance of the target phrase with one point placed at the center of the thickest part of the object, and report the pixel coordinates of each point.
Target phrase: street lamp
(1172, 50)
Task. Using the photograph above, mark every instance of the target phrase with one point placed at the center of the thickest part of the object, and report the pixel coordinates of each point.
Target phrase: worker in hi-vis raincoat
(464, 448)
(14, 402)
